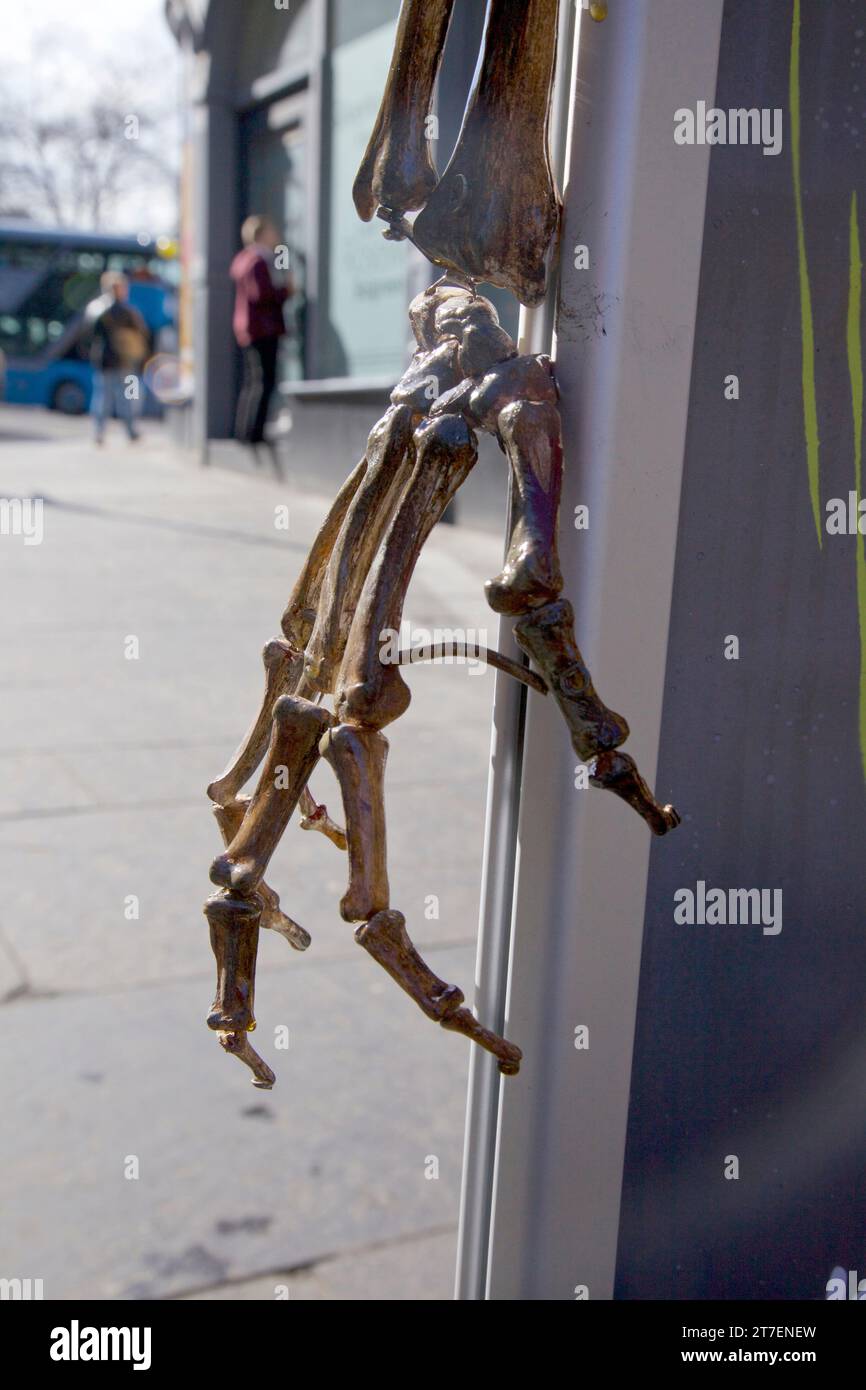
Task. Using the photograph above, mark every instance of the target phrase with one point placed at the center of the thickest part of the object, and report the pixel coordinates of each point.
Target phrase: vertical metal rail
(564, 890)
(503, 805)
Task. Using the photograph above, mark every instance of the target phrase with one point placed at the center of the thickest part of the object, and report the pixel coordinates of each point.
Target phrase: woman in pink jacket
(258, 324)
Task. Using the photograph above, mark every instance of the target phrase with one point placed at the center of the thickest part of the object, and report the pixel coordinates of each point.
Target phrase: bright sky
(47, 37)
(95, 20)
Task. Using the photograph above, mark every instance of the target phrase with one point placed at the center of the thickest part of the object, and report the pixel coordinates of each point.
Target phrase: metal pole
(625, 326)
(503, 804)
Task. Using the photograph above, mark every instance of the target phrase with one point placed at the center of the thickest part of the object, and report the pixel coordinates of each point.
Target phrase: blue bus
(47, 278)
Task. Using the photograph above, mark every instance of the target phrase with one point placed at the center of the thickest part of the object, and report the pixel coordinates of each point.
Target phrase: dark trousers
(260, 378)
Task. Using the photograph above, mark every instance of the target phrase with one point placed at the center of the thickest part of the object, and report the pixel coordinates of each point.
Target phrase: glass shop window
(276, 182)
(363, 332)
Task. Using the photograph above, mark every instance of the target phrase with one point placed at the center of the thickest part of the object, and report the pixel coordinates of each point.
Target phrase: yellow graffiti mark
(810, 405)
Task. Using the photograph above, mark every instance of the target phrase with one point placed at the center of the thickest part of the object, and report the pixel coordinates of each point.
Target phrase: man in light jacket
(119, 345)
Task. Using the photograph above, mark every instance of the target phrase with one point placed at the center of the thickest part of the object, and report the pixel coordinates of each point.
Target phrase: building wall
(282, 102)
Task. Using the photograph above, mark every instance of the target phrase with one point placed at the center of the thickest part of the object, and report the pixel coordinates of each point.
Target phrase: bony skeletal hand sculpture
(349, 596)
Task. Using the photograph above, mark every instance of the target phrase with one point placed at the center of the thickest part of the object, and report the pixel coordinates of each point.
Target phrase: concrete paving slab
(103, 764)
(359, 1142)
(419, 1268)
(74, 885)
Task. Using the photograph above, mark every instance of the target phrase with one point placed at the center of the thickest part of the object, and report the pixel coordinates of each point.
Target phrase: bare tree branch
(68, 161)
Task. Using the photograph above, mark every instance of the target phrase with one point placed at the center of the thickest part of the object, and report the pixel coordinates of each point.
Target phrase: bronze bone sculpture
(349, 596)
(493, 214)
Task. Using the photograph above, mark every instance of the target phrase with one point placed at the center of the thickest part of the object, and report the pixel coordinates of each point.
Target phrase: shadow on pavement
(189, 528)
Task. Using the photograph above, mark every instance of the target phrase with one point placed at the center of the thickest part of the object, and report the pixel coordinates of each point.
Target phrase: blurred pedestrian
(119, 346)
(258, 324)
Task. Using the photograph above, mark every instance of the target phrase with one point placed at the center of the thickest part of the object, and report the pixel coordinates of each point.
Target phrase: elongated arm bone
(368, 691)
(385, 938)
(547, 636)
(229, 818)
(234, 935)
(292, 755)
(362, 530)
(397, 170)
(283, 667)
(358, 759)
(238, 1045)
(494, 215)
(284, 670)
(508, 1055)
(300, 613)
(234, 939)
(618, 772)
(515, 400)
(531, 577)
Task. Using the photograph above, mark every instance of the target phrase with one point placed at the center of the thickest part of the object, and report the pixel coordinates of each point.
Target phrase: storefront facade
(280, 102)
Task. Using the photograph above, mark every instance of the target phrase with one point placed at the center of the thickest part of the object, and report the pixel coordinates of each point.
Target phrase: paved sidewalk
(323, 1184)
